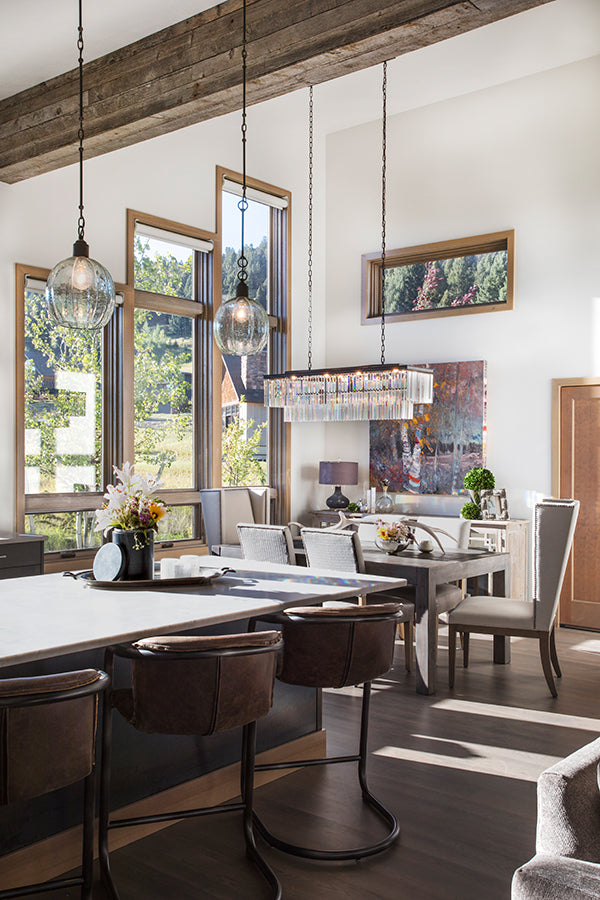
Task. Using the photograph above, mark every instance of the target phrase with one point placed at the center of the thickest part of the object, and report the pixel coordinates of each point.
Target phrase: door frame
(557, 385)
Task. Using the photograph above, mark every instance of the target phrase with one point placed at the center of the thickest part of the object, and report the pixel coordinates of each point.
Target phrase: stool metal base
(367, 796)
(246, 807)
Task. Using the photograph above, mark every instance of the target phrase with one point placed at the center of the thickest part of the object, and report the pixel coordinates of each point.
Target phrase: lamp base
(337, 499)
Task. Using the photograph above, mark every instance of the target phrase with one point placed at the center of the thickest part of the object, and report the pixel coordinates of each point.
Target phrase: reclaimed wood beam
(191, 71)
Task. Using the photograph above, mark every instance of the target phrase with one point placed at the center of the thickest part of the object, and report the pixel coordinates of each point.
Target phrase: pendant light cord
(383, 193)
(310, 220)
(243, 204)
(81, 220)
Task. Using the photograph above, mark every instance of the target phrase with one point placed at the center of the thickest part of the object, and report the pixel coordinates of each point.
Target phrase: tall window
(172, 276)
(253, 441)
(62, 402)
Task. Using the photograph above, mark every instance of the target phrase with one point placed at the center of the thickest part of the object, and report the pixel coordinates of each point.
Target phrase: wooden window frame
(201, 312)
(279, 343)
(482, 243)
(114, 376)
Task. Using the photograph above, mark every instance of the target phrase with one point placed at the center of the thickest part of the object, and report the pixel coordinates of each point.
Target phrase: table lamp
(338, 473)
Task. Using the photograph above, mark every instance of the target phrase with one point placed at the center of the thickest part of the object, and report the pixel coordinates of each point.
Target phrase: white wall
(171, 176)
(521, 155)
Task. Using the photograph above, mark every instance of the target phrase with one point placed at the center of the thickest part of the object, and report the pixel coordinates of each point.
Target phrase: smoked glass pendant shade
(241, 325)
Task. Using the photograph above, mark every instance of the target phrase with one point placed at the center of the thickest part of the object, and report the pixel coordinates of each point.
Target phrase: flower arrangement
(130, 503)
(393, 531)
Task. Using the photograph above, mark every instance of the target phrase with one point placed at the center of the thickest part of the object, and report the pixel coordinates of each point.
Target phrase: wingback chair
(223, 508)
(554, 526)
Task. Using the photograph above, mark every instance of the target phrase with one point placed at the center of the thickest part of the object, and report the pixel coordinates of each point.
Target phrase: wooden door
(579, 477)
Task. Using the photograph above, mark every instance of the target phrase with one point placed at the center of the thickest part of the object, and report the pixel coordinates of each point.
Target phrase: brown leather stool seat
(47, 741)
(193, 685)
(331, 647)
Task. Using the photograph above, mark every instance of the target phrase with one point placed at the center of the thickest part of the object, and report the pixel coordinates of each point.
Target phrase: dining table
(425, 571)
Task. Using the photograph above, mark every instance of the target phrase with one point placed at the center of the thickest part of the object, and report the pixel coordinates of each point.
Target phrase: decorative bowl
(391, 546)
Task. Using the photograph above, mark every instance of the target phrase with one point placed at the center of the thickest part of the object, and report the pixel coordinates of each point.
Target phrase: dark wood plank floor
(459, 769)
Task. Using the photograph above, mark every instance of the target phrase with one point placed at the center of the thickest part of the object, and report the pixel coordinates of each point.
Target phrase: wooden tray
(208, 577)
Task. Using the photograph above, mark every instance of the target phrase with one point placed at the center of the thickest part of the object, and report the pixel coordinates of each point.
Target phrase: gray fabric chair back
(553, 528)
(336, 550)
(267, 543)
(223, 508)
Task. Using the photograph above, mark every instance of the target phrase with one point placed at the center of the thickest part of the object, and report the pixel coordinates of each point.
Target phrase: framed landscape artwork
(430, 453)
(448, 278)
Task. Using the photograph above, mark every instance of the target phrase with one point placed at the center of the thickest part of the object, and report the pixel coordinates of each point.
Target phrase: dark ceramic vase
(138, 552)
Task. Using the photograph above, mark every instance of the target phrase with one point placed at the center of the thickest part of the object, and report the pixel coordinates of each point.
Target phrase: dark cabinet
(21, 554)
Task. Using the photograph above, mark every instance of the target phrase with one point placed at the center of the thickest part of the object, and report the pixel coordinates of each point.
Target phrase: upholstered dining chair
(554, 523)
(193, 685)
(267, 543)
(47, 741)
(341, 551)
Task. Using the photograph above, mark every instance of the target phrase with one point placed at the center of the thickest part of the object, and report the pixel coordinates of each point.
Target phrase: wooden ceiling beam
(191, 71)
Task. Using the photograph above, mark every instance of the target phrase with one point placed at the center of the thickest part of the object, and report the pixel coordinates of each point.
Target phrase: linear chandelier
(351, 393)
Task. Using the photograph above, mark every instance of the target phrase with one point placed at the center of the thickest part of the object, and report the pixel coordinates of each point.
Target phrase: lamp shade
(338, 472)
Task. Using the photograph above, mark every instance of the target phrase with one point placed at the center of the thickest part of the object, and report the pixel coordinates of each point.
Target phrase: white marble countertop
(43, 616)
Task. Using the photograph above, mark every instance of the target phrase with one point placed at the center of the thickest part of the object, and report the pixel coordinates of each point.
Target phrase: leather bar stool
(332, 647)
(47, 741)
(193, 685)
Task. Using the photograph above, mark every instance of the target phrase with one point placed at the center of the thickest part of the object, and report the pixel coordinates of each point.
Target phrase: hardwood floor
(459, 769)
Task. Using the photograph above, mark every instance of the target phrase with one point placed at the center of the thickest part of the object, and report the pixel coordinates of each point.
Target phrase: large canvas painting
(430, 453)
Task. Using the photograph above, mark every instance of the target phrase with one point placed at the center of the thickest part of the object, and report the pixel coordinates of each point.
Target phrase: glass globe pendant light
(80, 292)
(241, 325)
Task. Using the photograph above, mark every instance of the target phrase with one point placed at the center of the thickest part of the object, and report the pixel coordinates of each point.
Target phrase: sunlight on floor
(481, 758)
(589, 646)
(535, 716)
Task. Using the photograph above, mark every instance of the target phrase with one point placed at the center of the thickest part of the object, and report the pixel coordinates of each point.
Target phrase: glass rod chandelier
(352, 393)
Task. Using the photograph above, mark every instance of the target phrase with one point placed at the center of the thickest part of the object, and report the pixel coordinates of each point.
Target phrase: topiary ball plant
(470, 510)
(479, 479)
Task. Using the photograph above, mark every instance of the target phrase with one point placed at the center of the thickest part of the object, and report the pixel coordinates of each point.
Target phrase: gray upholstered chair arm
(568, 820)
(547, 877)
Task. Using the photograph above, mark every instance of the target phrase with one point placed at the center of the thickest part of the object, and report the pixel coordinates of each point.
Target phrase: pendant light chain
(310, 220)
(81, 220)
(243, 204)
(383, 193)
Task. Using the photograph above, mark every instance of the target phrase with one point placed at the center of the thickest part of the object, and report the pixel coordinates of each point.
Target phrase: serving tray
(207, 577)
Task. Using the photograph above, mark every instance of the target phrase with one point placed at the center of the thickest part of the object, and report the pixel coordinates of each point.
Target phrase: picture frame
(493, 504)
(446, 278)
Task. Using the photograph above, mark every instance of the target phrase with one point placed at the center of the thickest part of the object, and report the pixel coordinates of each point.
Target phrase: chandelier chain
(310, 220)
(383, 195)
(81, 219)
(243, 203)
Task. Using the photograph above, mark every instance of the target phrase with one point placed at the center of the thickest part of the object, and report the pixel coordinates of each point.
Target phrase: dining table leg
(425, 633)
(501, 588)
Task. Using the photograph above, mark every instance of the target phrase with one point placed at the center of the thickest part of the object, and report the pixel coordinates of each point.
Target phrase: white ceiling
(38, 41)
(38, 38)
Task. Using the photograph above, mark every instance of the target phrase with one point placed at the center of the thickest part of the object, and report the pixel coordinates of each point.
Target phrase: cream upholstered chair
(340, 551)
(267, 543)
(223, 508)
(554, 525)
